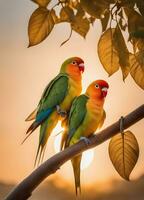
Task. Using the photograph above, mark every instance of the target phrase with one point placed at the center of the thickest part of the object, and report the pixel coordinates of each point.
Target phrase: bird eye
(74, 63)
(97, 86)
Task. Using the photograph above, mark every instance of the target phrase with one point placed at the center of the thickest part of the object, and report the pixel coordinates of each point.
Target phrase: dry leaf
(42, 3)
(66, 14)
(122, 51)
(80, 23)
(107, 53)
(124, 153)
(40, 25)
(137, 68)
(105, 20)
(95, 8)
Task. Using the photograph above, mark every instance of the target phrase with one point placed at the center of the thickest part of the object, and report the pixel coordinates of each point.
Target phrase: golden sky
(25, 73)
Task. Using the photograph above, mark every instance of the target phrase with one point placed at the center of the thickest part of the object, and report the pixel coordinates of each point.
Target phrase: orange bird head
(97, 89)
(73, 66)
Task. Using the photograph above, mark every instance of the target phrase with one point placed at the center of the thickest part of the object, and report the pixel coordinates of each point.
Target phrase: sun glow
(87, 157)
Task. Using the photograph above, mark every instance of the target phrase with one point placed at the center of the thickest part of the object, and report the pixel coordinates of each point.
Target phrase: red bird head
(73, 66)
(98, 89)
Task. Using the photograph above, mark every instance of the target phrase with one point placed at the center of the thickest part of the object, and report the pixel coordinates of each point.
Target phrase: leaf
(122, 23)
(127, 3)
(107, 53)
(42, 3)
(95, 8)
(135, 28)
(123, 52)
(105, 20)
(54, 16)
(66, 14)
(80, 23)
(40, 25)
(140, 5)
(137, 68)
(124, 153)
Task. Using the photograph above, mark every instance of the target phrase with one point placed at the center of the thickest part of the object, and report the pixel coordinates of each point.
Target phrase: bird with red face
(85, 117)
(56, 101)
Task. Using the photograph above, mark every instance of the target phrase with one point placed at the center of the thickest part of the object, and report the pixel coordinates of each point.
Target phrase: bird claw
(61, 112)
(121, 124)
(86, 140)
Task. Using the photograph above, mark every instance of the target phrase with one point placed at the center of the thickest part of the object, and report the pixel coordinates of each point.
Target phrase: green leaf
(66, 14)
(137, 68)
(40, 25)
(107, 52)
(124, 153)
(42, 3)
(95, 8)
(123, 52)
(105, 20)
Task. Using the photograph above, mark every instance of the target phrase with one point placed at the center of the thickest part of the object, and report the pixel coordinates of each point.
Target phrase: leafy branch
(118, 18)
(24, 190)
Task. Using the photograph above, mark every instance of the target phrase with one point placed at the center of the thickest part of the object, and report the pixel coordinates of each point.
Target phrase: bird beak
(104, 91)
(81, 67)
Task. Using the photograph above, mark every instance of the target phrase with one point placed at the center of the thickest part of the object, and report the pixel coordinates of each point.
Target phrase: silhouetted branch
(24, 190)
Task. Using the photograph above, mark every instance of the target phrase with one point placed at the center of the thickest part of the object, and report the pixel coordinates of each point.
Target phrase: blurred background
(24, 73)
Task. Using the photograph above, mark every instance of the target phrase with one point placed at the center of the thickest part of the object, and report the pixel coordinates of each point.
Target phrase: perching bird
(85, 117)
(56, 101)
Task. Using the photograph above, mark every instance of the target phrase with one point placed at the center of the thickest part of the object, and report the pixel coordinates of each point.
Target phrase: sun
(87, 156)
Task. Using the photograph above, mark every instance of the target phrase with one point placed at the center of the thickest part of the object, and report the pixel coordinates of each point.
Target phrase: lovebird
(85, 117)
(56, 101)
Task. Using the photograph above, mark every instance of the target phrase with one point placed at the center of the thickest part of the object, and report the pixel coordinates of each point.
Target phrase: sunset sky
(24, 74)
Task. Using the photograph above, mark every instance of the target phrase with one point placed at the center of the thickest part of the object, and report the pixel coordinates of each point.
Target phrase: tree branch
(24, 190)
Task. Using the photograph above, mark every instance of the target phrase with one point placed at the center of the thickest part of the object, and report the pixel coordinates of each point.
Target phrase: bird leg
(85, 139)
(61, 112)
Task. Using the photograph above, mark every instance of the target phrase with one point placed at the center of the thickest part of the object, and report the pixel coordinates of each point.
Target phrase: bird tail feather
(76, 168)
(39, 120)
(45, 131)
(32, 116)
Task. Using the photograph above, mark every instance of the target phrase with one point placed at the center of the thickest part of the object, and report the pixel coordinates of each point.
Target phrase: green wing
(77, 114)
(54, 93)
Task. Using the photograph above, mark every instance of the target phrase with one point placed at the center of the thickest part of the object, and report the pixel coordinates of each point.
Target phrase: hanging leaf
(137, 68)
(42, 3)
(135, 28)
(40, 25)
(105, 20)
(107, 53)
(122, 23)
(122, 51)
(54, 16)
(81, 26)
(124, 153)
(80, 23)
(95, 8)
(127, 3)
(66, 14)
(140, 5)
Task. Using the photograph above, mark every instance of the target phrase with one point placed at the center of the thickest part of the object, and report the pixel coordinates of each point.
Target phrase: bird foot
(61, 112)
(86, 140)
